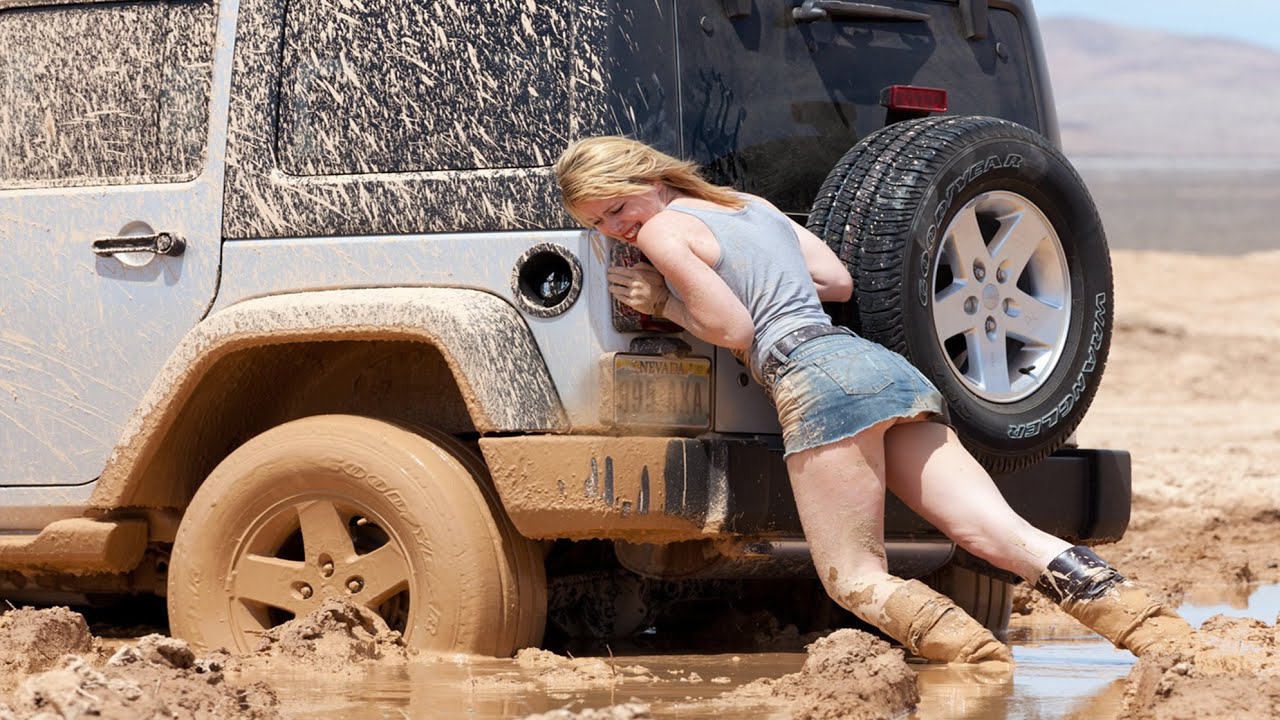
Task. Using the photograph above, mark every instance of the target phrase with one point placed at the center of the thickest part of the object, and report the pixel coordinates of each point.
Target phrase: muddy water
(1062, 671)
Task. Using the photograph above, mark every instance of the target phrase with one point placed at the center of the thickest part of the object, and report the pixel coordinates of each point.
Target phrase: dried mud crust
(849, 674)
(1230, 670)
(153, 677)
(33, 641)
(338, 637)
(52, 667)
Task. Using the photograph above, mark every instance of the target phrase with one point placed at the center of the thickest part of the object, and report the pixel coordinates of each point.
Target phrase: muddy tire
(986, 599)
(977, 254)
(342, 506)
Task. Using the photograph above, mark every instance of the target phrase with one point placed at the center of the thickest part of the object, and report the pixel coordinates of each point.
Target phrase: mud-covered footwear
(933, 627)
(1097, 595)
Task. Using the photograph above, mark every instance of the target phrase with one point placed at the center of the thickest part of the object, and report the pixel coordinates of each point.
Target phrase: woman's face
(622, 217)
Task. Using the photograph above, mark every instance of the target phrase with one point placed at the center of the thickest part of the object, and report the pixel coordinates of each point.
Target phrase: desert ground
(1190, 391)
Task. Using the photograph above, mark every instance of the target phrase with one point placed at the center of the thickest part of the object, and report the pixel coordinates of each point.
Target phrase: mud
(154, 677)
(848, 674)
(931, 626)
(336, 638)
(1232, 671)
(33, 641)
(1190, 392)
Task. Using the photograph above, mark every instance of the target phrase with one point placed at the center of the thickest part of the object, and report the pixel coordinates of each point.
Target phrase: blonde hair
(612, 166)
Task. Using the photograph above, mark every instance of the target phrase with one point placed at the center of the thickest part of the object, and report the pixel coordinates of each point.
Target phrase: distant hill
(1123, 91)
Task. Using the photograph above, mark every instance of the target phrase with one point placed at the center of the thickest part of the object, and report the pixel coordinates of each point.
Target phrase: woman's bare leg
(930, 471)
(933, 474)
(839, 491)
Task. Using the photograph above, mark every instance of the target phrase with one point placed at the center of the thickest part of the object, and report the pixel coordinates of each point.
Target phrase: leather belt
(792, 340)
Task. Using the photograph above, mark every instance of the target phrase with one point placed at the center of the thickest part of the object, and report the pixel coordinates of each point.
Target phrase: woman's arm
(709, 308)
(829, 274)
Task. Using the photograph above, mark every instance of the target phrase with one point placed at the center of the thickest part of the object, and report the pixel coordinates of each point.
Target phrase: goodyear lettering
(429, 619)
(971, 173)
(421, 539)
(1068, 401)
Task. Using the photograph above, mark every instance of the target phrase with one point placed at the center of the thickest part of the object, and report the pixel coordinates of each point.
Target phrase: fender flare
(482, 338)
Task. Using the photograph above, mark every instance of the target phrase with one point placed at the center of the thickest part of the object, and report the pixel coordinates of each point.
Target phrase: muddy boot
(933, 627)
(1093, 592)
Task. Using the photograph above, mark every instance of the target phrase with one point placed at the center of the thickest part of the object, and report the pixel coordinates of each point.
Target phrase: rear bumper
(659, 490)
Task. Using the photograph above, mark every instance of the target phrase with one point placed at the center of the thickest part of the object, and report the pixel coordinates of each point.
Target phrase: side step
(80, 546)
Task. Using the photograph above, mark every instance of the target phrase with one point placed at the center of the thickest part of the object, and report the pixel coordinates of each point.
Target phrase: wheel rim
(1001, 297)
(305, 550)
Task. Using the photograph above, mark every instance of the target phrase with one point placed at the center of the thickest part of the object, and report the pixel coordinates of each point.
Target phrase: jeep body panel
(488, 82)
(482, 340)
(571, 343)
(771, 104)
(85, 334)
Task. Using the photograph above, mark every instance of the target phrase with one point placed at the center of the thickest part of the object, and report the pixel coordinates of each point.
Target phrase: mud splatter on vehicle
(292, 311)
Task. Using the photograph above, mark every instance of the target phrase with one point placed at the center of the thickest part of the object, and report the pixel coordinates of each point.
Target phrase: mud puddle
(1062, 671)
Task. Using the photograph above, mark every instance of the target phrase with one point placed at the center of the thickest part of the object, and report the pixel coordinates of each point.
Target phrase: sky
(1256, 21)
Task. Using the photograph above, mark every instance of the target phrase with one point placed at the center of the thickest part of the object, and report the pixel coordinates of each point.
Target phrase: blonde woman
(857, 418)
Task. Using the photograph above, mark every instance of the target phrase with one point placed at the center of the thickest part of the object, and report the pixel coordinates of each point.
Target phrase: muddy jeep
(292, 310)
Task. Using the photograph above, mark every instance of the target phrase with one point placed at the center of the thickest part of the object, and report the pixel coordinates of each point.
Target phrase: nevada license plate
(654, 390)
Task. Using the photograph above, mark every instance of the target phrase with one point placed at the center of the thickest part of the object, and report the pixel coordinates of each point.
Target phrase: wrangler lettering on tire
(978, 254)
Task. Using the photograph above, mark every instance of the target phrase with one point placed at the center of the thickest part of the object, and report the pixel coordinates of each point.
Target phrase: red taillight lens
(914, 99)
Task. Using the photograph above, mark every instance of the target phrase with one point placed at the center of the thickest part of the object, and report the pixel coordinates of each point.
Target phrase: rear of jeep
(382, 364)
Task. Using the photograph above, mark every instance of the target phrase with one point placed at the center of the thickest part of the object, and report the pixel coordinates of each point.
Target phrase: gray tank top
(761, 262)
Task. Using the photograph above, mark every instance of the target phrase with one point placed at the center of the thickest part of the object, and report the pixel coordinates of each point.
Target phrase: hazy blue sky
(1256, 21)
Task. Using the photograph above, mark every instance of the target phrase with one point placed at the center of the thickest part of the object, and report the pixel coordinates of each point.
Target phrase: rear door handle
(813, 10)
(163, 243)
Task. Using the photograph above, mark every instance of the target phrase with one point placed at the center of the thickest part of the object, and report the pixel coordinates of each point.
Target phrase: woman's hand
(640, 287)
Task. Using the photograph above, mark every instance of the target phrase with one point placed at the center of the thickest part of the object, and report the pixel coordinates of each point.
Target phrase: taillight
(911, 98)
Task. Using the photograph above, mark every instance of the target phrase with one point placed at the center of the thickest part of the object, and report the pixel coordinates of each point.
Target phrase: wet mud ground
(1062, 671)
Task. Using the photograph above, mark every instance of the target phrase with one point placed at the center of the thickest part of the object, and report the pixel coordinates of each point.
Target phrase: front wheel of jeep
(402, 522)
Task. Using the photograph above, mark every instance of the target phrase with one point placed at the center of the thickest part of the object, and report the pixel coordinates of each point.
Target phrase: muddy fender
(484, 341)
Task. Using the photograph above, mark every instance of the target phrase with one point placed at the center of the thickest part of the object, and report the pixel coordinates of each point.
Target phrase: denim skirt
(835, 386)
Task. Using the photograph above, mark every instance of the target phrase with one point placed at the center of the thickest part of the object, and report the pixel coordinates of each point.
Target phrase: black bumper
(662, 490)
(1080, 495)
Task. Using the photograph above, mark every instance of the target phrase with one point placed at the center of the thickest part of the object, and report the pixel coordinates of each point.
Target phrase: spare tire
(978, 254)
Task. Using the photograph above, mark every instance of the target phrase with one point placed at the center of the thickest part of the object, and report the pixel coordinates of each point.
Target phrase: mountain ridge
(1125, 91)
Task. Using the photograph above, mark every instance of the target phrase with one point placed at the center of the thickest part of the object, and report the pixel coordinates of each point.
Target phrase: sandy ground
(1190, 391)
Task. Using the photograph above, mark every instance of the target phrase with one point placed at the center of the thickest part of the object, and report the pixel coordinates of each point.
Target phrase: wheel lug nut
(991, 325)
(354, 585)
(326, 569)
(979, 272)
(305, 591)
(971, 305)
(1001, 275)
